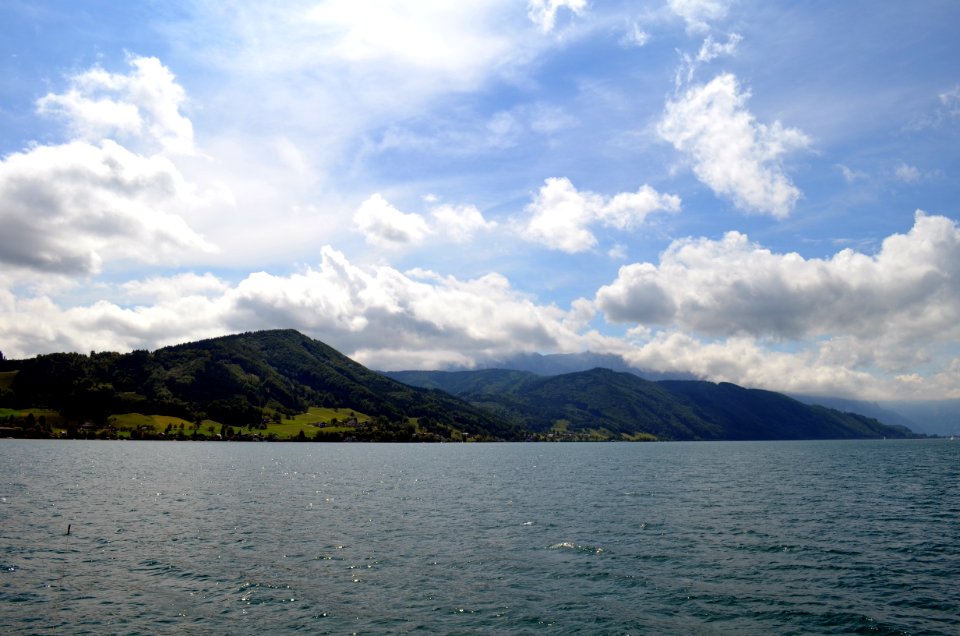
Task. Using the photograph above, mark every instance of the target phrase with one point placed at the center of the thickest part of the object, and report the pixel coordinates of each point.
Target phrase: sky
(763, 193)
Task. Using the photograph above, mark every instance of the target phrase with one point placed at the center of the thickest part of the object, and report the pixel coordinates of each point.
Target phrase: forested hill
(237, 380)
(248, 379)
(626, 405)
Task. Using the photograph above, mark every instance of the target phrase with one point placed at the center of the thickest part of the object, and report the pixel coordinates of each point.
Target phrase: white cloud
(907, 173)
(560, 214)
(143, 105)
(627, 210)
(733, 154)
(635, 36)
(618, 252)
(751, 362)
(335, 73)
(364, 61)
(543, 13)
(950, 100)
(698, 14)
(380, 316)
(727, 308)
(69, 208)
(711, 50)
(168, 288)
(889, 310)
(432, 35)
(385, 226)
(460, 223)
(850, 175)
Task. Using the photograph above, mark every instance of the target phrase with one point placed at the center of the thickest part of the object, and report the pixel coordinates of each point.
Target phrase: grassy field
(316, 417)
(52, 416)
(308, 422)
(329, 420)
(157, 423)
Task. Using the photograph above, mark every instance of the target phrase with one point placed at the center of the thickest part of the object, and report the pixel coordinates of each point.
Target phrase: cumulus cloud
(732, 153)
(386, 310)
(751, 362)
(380, 316)
(698, 14)
(880, 309)
(144, 105)
(560, 214)
(68, 208)
(460, 223)
(725, 310)
(385, 226)
(167, 288)
(543, 13)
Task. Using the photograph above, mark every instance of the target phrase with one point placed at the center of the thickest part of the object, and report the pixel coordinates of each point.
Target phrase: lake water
(665, 538)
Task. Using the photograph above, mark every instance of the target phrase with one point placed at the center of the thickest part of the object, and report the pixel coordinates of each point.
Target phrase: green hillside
(240, 381)
(282, 384)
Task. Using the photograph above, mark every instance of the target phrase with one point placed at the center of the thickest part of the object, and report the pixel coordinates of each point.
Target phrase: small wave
(566, 545)
(9, 568)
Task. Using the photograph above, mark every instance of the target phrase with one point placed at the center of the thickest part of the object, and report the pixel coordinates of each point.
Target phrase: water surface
(669, 538)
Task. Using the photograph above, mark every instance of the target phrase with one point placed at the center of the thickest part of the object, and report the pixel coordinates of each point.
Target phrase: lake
(663, 538)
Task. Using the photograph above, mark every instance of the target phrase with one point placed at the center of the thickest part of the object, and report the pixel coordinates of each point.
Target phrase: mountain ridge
(236, 379)
(624, 403)
(242, 379)
(934, 417)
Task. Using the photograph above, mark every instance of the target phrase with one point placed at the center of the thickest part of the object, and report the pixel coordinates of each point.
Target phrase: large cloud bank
(725, 309)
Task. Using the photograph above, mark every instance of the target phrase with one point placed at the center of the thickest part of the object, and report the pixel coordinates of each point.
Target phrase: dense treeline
(239, 380)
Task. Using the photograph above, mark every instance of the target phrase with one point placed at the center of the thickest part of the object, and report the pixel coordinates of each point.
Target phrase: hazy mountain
(931, 417)
(560, 363)
(935, 417)
(870, 409)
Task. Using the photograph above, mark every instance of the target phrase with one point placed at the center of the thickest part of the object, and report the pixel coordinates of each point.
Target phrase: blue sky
(762, 193)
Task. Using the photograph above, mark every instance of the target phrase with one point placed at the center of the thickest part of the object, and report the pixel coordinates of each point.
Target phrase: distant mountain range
(602, 401)
(241, 379)
(932, 417)
(560, 363)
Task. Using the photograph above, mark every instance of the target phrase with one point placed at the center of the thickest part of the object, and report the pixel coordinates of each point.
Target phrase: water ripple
(753, 538)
